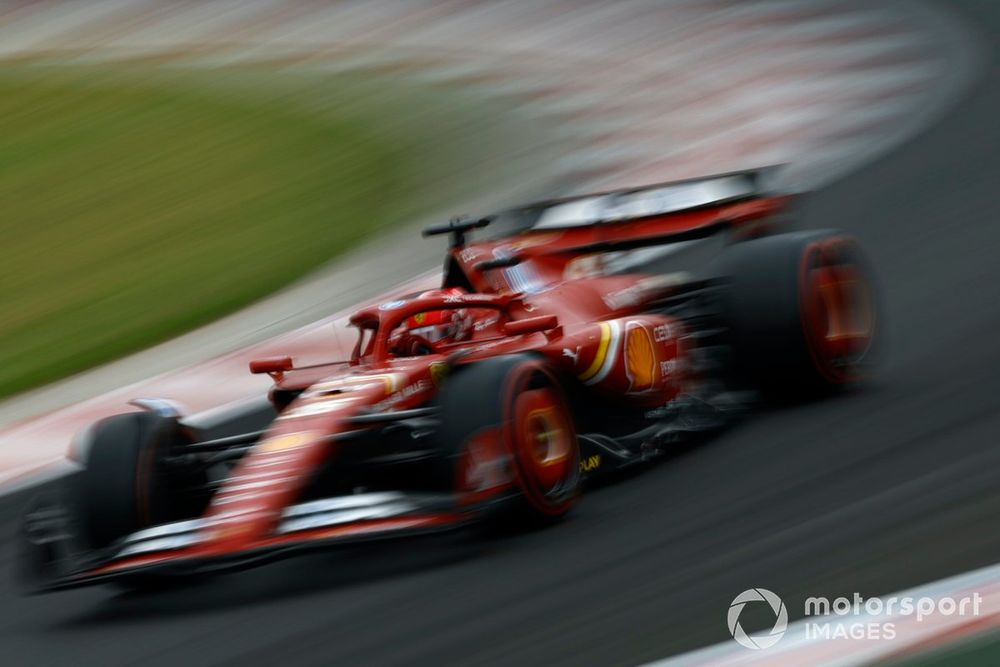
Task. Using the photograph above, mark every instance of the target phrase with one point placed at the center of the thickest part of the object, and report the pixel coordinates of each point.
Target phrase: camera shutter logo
(762, 639)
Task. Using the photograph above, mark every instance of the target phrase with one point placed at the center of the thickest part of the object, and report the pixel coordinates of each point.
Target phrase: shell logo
(439, 371)
(640, 358)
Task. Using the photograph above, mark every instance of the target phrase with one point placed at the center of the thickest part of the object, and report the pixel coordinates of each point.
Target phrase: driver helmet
(448, 325)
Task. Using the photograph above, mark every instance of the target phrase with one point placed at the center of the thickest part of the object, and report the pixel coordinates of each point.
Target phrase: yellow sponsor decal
(591, 463)
(281, 443)
(602, 352)
(390, 380)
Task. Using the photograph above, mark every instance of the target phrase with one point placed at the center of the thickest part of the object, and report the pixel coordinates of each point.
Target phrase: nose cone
(247, 509)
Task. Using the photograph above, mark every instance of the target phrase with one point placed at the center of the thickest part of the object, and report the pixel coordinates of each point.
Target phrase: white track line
(796, 648)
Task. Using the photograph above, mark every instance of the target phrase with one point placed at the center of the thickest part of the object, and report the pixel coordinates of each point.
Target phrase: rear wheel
(507, 418)
(801, 309)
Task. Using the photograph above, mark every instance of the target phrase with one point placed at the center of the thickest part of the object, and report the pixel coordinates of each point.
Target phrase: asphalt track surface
(875, 491)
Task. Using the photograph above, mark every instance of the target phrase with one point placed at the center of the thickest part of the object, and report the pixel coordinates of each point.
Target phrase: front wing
(52, 560)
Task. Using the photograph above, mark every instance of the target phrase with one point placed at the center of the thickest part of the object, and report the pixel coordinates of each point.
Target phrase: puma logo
(575, 356)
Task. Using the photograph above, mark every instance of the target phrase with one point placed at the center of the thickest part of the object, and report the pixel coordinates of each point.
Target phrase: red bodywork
(556, 301)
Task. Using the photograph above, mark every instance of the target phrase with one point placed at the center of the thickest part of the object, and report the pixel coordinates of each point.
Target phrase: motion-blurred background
(165, 164)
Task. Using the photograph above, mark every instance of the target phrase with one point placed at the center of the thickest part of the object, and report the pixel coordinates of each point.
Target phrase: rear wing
(560, 238)
(638, 203)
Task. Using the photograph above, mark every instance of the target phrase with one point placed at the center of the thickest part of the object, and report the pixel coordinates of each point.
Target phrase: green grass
(139, 202)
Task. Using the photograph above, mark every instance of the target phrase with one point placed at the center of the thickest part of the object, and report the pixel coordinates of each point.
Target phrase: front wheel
(123, 486)
(511, 409)
(126, 484)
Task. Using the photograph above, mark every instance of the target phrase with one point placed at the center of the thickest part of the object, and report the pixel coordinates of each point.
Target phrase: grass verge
(139, 202)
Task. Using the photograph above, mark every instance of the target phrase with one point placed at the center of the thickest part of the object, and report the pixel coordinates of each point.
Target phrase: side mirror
(273, 366)
(531, 325)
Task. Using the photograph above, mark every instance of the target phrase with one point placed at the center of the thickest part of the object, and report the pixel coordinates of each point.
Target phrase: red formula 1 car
(572, 338)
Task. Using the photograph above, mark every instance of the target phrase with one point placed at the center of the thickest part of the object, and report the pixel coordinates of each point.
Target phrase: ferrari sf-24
(563, 343)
